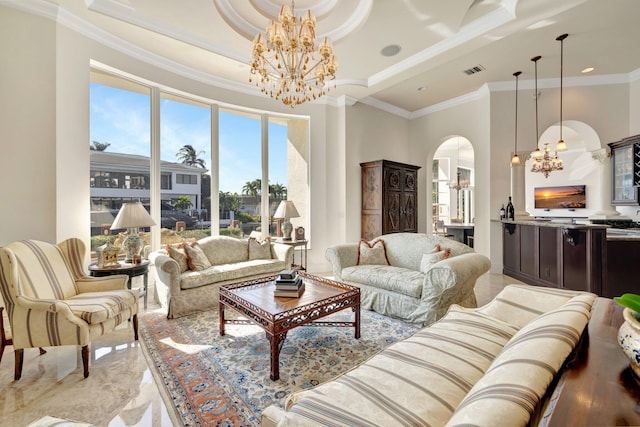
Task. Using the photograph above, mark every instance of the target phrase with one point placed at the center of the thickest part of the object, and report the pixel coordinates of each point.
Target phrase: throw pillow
(196, 258)
(374, 253)
(259, 250)
(177, 252)
(432, 258)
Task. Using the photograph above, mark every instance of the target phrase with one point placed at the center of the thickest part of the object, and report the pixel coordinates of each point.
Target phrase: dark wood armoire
(389, 198)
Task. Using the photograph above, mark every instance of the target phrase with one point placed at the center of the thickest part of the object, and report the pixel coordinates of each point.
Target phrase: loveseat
(185, 284)
(416, 280)
(488, 366)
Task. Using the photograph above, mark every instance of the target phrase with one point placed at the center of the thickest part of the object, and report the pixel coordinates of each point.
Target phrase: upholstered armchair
(52, 302)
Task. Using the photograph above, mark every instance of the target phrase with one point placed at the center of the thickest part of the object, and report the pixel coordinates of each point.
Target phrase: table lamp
(132, 216)
(286, 210)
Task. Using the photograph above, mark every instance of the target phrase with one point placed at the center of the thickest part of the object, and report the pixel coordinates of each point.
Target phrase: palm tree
(183, 202)
(98, 146)
(252, 188)
(189, 156)
(278, 191)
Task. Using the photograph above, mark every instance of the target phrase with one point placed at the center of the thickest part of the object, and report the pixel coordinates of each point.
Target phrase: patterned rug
(212, 380)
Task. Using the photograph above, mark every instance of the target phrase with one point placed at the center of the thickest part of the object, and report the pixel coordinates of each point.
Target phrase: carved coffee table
(277, 315)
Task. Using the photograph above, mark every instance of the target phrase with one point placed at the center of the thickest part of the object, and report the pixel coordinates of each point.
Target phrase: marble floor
(120, 390)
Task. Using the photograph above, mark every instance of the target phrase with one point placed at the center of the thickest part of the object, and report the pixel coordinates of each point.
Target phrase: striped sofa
(487, 366)
(52, 302)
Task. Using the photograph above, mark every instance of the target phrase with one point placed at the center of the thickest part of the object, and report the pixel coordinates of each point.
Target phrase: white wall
(426, 135)
(371, 134)
(27, 127)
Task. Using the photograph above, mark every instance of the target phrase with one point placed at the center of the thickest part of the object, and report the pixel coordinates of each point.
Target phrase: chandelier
(543, 161)
(284, 62)
(458, 184)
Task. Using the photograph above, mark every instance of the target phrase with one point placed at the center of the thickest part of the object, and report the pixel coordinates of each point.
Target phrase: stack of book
(289, 284)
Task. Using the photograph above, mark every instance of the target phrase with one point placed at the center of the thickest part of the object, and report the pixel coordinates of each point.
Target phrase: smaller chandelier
(544, 162)
(284, 62)
(457, 184)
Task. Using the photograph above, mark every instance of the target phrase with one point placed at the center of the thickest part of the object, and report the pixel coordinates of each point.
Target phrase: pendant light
(537, 154)
(561, 146)
(543, 161)
(515, 160)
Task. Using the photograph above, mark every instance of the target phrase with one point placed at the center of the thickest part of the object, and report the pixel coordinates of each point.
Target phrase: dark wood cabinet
(555, 256)
(389, 198)
(622, 271)
(625, 171)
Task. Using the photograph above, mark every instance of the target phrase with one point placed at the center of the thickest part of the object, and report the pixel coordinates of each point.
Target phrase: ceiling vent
(474, 70)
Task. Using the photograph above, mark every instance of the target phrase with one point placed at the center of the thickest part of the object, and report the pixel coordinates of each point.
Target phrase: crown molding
(453, 102)
(122, 12)
(36, 7)
(579, 81)
(384, 106)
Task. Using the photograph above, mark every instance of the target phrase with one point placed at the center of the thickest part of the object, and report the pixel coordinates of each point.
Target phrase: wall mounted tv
(563, 197)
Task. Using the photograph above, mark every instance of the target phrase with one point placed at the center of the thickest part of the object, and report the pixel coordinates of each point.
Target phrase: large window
(120, 145)
(252, 162)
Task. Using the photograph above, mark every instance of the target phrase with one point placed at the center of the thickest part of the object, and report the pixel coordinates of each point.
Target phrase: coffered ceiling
(437, 40)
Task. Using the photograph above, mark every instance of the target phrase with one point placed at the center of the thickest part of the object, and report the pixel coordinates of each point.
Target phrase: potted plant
(629, 332)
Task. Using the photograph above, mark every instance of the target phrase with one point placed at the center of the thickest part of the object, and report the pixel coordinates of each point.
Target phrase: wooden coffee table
(277, 315)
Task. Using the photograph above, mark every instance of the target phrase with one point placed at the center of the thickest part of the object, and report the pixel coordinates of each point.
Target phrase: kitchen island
(584, 257)
(555, 254)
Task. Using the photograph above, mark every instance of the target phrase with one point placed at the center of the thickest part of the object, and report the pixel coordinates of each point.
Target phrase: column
(517, 188)
(604, 208)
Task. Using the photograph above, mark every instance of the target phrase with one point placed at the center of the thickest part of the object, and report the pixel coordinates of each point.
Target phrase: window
(122, 168)
(240, 171)
(120, 144)
(165, 181)
(186, 179)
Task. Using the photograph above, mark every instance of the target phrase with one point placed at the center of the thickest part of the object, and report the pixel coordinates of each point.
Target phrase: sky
(122, 119)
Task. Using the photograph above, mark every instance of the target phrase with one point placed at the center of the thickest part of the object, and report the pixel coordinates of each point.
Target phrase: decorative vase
(629, 339)
(287, 228)
(132, 244)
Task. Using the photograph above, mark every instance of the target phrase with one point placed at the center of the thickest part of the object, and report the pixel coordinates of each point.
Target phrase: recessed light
(588, 70)
(391, 50)
(421, 88)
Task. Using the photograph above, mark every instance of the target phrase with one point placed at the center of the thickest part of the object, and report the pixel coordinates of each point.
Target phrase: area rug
(211, 380)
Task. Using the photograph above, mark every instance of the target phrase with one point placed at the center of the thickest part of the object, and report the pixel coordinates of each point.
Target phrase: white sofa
(182, 291)
(401, 289)
(490, 366)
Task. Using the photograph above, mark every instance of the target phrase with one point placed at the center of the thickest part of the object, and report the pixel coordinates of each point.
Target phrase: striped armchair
(50, 300)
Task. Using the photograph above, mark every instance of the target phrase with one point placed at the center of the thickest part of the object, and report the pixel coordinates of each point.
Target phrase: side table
(303, 253)
(131, 270)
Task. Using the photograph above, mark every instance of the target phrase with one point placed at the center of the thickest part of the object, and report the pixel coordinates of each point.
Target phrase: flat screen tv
(563, 197)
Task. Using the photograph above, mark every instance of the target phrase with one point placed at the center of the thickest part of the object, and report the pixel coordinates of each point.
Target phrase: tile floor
(120, 390)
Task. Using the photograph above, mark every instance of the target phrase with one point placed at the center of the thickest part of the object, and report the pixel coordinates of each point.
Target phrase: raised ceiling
(438, 40)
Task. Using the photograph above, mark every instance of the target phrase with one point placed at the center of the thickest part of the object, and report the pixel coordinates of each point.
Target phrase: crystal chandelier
(543, 161)
(284, 62)
(457, 184)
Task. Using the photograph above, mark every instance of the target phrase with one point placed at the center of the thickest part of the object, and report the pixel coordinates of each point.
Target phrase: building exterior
(117, 178)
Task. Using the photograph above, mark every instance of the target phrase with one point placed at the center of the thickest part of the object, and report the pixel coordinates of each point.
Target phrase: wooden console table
(598, 388)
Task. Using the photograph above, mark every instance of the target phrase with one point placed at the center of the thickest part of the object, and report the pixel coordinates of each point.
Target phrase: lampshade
(286, 209)
(132, 215)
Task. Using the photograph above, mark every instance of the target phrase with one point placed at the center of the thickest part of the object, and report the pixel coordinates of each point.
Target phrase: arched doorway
(453, 179)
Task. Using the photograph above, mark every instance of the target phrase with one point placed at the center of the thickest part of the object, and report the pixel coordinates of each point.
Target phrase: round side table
(131, 270)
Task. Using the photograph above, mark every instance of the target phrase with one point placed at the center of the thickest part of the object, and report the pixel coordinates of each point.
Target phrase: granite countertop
(623, 234)
(553, 223)
(630, 234)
